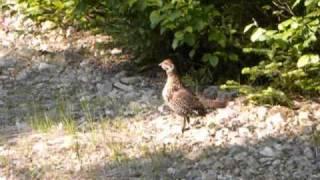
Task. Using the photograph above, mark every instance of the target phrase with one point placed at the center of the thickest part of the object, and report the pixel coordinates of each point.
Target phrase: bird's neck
(173, 80)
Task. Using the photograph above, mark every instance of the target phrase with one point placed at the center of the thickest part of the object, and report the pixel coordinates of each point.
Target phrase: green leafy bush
(291, 51)
(278, 56)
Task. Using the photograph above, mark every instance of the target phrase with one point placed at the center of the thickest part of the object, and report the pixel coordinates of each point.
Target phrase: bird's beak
(160, 64)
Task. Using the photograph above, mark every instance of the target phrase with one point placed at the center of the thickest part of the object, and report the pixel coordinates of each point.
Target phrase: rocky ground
(66, 114)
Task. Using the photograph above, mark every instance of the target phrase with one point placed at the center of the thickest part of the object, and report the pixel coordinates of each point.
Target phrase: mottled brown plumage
(182, 101)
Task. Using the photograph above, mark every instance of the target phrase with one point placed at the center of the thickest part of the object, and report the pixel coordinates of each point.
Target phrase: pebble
(123, 86)
(267, 151)
(44, 66)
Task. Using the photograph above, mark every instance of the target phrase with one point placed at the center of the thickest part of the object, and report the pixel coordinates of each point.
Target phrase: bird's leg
(183, 125)
(186, 120)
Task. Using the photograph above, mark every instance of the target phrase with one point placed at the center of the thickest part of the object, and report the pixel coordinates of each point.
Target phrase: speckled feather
(184, 103)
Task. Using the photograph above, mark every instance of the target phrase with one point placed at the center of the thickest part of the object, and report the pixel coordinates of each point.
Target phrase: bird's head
(167, 65)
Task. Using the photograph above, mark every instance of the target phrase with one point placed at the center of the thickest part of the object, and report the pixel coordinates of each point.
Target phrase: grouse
(182, 101)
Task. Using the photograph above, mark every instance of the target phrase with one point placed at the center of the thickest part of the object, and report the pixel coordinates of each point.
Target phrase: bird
(181, 100)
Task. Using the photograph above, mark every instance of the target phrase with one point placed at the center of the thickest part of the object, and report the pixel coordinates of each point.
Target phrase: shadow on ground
(282, 157)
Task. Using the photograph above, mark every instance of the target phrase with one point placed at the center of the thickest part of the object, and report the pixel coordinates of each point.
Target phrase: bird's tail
(212, 103)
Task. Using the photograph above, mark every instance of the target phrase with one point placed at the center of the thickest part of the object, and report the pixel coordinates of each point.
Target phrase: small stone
(116, 51)
(104, 88)
(83, 78)
(308, 153)
(23, 75)
(44, 66)
(303, 116)
(240, 141)
(171, 171)
(267, 151)
(123, 86)
(241, 156)
(40, 148)
(85, 98)
(109, 112)
(120, 74)
(244, 132)
(316, 114)
(201, 135)
(209, 175)
(70, 31)
(130, 80)
(222, 116)
(3, 92)
(3, 77)
(4, 53)
(131, 96)
(276, 120)
(211, 92)
(261, 112)
(47, 25)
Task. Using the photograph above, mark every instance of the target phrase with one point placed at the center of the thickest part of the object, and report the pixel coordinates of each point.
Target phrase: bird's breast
(165, 93)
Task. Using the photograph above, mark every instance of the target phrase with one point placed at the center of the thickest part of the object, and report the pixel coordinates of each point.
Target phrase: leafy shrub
(291, 51)
(207, 39)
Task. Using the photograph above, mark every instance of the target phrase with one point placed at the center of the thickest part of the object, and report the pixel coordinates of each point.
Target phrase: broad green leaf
(131, 2)
(175, 43)
(211, 59)
(155, 18)
(248, 27)
(190, 39)
(258, 35)
(233, 57)
(296, 3)
(245, 70)
(218, 37)
(157, 3)
(179, 35)
(192, 53)
(307, 60)
(188, 29)
(309, 2)
(282, 26)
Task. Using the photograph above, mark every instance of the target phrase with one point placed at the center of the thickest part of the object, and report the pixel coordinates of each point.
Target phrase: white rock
(4, 52)
(201, 135)
(130, 80)
(261, 112)
(40, 148)
(244, 132)
(276, 120)
(267, 151)
(47, 25)
(7, 62)
(308, 153)
(222, 116)
(104, 88)
(116, 51)
(171, 171)
(241, 156)
(44, 66)
(303, 116)
(239, 141)
(123, 86)
(70, 31)
(209, 175)
(120, 74)
(23, 75)
(317, 114)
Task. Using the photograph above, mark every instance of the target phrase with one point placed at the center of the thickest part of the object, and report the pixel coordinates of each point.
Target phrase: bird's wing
(184, 102)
